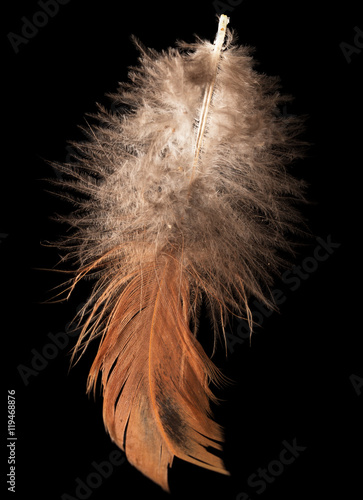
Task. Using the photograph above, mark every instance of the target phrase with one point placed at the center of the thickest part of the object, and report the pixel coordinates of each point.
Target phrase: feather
(182, 198)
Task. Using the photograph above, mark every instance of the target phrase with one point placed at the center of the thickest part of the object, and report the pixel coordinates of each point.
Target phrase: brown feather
(156, 385)
(186, 199)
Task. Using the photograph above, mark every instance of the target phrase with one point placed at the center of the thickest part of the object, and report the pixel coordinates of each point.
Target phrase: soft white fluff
(227, 223)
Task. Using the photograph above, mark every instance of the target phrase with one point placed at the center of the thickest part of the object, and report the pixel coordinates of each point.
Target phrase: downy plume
(181, 199)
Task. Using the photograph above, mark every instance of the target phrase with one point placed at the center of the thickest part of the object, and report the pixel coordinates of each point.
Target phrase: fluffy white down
(229, 223)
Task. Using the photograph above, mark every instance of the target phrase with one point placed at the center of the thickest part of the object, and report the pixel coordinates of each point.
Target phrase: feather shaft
(218, 43)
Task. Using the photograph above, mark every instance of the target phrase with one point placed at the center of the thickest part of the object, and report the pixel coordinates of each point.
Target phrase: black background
(294, 382)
